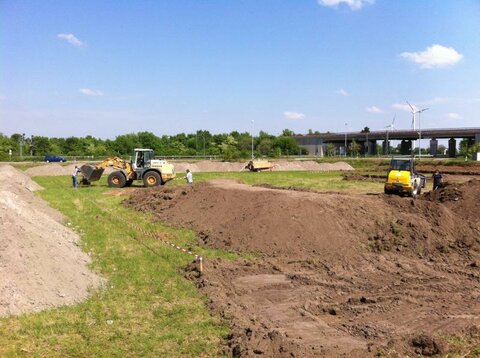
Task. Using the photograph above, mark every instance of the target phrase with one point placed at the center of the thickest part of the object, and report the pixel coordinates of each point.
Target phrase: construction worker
(189, 176)
(75, 177)
(437, 180)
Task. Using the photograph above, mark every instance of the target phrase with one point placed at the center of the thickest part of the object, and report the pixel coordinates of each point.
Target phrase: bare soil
(336, 274)
(41, 265)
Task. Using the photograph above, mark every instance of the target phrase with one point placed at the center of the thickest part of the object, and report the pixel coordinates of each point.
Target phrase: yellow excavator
(144, 167)
(403, 179)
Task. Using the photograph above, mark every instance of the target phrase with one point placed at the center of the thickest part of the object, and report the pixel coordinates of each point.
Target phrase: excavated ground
(351, 275)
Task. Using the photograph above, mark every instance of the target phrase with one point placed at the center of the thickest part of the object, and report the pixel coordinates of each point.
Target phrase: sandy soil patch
(41, 265)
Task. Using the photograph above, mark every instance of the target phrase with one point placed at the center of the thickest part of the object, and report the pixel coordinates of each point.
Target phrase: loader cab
(402, 164)
(142, 158)
(402, 178)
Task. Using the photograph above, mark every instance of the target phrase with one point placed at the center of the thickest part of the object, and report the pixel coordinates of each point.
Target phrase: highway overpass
(316, 144)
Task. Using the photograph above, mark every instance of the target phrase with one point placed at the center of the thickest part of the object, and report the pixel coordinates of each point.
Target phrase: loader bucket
(91, 173)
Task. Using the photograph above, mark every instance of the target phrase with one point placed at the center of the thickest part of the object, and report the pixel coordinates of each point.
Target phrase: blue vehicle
(54, 158)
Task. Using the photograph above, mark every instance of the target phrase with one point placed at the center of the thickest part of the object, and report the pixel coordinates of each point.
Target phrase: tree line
(226, 146)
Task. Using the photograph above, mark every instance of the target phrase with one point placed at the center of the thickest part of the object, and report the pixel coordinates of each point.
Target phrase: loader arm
(93, 173)
(116, 162)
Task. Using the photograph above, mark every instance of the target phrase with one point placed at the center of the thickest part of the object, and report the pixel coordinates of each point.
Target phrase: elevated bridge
(316, 143)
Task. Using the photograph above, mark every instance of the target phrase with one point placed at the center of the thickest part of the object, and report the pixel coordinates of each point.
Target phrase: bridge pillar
(477, 138)
(452, 147)
(386, 147)
(405, 147)
(433, 147)
(368, 147)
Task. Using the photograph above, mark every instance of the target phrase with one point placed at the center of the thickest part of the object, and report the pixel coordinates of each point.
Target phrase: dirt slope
(338, 274)
(41, 265)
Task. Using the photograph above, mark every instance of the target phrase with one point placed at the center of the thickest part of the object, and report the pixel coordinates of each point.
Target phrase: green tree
(148, 140)
(5, 146)
(331, 149)
(354, 148)
(265, 146)
(467, 148)
(229, 150)
(288, 145)
(40, 145)
(126, 143)
(287, 133)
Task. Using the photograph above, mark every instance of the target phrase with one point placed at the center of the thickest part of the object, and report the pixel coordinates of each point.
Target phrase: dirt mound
(463, 199)
(338, 274)
(41, 264)
(21, 179)
(51, 169)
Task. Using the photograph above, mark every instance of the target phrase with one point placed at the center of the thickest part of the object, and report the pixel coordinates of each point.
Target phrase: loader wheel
(415, 191)
(152, 179)
(116, 180)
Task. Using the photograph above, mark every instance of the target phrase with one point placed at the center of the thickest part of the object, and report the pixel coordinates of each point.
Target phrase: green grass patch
(319, 181)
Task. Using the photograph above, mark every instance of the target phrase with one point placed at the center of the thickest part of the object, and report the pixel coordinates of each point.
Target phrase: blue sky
(106, 68)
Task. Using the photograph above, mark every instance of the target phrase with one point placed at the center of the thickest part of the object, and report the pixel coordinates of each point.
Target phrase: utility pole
(253, 123)
(420, 132)
(21, 141)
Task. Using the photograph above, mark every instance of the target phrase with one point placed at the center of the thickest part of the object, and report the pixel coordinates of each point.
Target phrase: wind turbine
(390, 127)
(414, 112)
(420, 131)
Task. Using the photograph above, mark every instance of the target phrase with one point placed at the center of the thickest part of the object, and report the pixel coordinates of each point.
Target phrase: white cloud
(453, 115)
(434, 56)
(373, 109)
(403, 107)
(293, 115)
(342, 92)
(71, 38)
(90, 92)
(354, 4)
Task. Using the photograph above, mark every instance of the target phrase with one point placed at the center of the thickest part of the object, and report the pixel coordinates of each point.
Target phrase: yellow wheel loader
(402, 178)
(144, 167)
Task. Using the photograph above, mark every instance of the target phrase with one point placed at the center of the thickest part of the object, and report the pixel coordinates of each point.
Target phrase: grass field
(319, 181)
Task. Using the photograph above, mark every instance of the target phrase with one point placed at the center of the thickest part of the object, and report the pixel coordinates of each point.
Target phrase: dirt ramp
(41, 264)
(234, 216)
(239, 217)
(337, 275)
